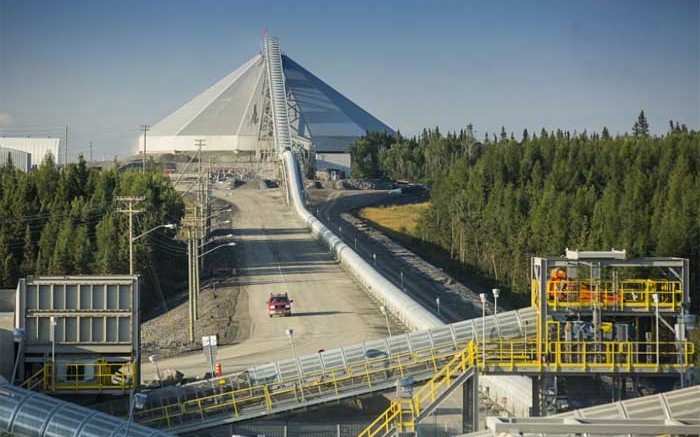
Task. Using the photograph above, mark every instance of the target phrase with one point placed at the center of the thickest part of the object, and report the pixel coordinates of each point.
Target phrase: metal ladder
(278, 94)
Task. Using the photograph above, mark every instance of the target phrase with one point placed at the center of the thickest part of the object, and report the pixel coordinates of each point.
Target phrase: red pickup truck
(279, 305)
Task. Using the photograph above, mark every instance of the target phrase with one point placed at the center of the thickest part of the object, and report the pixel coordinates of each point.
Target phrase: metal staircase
(403, 415)
(278, 94)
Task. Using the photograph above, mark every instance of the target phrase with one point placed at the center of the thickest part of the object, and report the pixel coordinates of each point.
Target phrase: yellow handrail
(503, 355)
(84, 376)
(392, 416)
(613, 295)
(34, 380)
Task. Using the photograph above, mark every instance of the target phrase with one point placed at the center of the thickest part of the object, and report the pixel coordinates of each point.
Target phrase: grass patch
(398, 218)
(398, 222)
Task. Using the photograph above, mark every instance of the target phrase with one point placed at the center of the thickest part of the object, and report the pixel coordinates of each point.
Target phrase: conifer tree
(641, 126)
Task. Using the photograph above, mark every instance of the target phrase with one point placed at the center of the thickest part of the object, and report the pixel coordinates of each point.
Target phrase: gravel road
(275, 253)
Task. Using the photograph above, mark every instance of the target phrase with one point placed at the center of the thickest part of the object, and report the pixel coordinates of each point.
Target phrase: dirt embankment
(168, 334)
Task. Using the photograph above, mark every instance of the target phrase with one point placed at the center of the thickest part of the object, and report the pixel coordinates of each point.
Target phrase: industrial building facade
(81, 332)
(38, 147)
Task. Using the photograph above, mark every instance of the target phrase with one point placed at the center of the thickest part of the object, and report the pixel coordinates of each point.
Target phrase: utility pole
(191, 231)
(200, 194)
(90, 151)
(130, 200)
(65, 151)
(145, 128)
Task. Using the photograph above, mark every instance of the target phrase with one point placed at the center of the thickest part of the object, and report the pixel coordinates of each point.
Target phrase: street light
(437, 302)
(132, 239)
(214, 239)
(154, 359)
(482, 296)
(18, 336)
(218, 247)
(374, 256)
(53, 352)
(215, 213)
(495, 292)
(656, 304)
(290, 335)
(386, 318)
(138, 402)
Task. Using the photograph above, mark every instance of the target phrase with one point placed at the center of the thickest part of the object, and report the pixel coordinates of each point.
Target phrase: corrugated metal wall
(38, 147)
(20, 159)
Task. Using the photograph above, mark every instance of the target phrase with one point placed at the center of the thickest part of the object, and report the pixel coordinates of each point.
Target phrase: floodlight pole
(482, 296)
(290, 335)
(386, 318)
(138, 400)
(656, 304)
(53, 352)
(154, 359)
(496, 292)
(18, 337)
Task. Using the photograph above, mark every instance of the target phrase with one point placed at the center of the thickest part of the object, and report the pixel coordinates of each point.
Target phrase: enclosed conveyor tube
(28, 413)
(407, 310)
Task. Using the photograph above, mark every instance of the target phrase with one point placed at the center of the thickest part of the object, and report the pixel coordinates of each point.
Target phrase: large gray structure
(236, 114)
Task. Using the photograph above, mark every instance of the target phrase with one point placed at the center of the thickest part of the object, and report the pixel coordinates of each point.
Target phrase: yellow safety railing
(511, 354)
(401, 414)
(518, 355)
(34, 381)
(614, 295)
(498, 355)
(366, 373)
(76, 377)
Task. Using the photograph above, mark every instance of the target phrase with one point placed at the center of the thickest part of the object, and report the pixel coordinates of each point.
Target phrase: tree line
(65, 221)
(498, 201)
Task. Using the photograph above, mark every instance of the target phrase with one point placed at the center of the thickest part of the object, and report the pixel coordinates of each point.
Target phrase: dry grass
(402, 218)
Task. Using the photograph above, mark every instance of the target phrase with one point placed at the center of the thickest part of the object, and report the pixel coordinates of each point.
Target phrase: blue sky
(106, 67)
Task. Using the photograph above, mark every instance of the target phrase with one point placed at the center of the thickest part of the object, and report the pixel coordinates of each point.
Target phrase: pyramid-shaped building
(234, 115)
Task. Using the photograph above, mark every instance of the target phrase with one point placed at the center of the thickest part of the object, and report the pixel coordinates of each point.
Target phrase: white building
(233, 114)
(38, 147)
(21, 160)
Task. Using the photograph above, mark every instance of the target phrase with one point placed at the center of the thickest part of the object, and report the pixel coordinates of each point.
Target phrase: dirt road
(277, 254)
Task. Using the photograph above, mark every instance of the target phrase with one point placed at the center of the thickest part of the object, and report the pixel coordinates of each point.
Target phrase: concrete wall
(515, 390)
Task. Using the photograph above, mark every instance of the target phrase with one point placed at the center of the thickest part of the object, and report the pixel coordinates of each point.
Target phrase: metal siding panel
(399, 345)
(463, 331)
(332, 359)
(124, 297)
(124, 329)
(31, 416)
